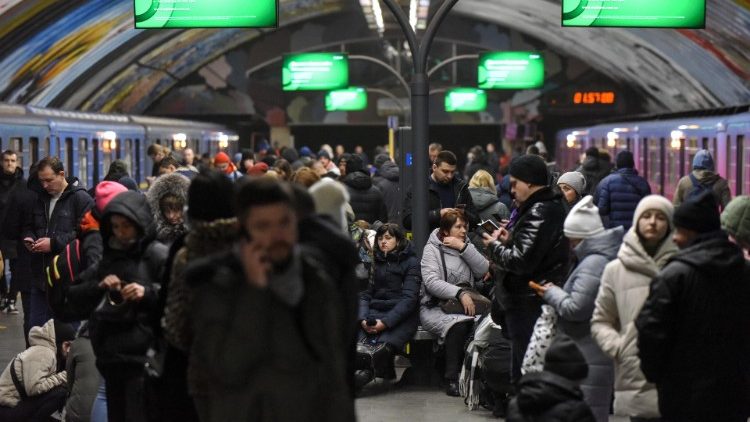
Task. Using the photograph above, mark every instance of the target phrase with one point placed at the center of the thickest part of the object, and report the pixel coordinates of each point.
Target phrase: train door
(672, 165)
(16, 144)
(70, 157)
(138, 161)
(655, 163)
(743, 184)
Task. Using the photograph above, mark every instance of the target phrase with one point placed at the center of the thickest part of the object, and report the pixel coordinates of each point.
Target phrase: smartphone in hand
(488, 226)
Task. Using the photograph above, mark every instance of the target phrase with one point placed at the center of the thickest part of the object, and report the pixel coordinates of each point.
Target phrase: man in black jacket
(11, 178)
(446, 192)
(60, 205)
(366, 200)
(268, 322)
(386, 179)
(694, 329)
(531, 247)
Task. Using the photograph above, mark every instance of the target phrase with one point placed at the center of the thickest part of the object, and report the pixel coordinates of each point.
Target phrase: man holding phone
(60, 205)
(530, 247)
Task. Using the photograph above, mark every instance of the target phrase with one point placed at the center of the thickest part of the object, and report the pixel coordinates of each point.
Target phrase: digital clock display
(594, 97)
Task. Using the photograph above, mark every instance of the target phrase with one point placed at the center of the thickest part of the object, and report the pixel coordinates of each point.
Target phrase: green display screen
(510, 70)
(315, 72)
(635, 13)
(350, 99)
(151, 14)
(465, 99)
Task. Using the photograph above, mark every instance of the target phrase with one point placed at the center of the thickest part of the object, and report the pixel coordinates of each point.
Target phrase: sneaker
(11, 309)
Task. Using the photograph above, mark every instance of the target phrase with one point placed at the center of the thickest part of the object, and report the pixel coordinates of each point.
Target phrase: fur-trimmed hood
(173, 184)
(208, 237)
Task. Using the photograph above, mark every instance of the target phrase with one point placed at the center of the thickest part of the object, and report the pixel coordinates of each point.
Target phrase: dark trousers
(26, 305)
(520, 323)
(126, 400)
(40, 310)
(8, 289)
(37, 408)
(455, 347)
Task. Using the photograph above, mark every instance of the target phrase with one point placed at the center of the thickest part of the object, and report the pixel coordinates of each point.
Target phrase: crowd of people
(276, 284)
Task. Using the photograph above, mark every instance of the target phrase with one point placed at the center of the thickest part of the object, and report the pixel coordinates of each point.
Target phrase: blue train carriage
(737, 144)
(91, 141)
(24, 133)
(176, 135)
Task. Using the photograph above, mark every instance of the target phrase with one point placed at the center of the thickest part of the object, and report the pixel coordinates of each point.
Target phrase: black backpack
(698, 188)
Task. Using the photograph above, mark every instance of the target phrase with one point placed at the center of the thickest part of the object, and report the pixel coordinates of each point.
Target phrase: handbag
(482, 305)
(112, 310)
(545, 330)
(372, 356)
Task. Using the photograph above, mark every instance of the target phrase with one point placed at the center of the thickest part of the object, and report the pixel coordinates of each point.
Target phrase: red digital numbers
(594, 97)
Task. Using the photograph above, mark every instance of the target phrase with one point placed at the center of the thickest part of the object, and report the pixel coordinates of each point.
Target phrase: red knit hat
(105, 192)
(222, 158)
(258, 170)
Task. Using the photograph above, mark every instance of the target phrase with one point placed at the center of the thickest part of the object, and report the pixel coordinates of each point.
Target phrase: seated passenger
(450, 264)
(553, 394)
(32, 386)
(388, 307)
(167, 198)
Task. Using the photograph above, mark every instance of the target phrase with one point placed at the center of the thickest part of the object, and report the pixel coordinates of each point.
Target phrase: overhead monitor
(153, 14)
(510, 70)
(635, 13)
(350, 99)
(315, 72)
(465, 100)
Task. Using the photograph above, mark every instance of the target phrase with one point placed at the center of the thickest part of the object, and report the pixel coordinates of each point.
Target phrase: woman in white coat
(447, 260)
(646, 248)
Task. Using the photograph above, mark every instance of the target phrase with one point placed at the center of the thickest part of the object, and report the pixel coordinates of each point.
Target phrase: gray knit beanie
(575, 180)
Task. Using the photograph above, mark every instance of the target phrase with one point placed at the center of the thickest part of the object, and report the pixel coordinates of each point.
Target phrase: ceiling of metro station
(86, 54)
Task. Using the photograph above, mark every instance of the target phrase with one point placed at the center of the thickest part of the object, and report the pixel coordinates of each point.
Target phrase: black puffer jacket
(694, 333)
(8, 184)
(61, 227)
(366, 200)
(461, 193)
(393, 295)
(594, 169)
(538, 249)
(548, 397)
(386, 179)
(21, 203)
(119, 341)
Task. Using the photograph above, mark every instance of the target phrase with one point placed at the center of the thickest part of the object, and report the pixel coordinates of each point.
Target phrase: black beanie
(564, 358)
(210, 196)
(381, 159)
(699, 214)
(624, 160)
(63, 332)
(355, 163)
(530, 169)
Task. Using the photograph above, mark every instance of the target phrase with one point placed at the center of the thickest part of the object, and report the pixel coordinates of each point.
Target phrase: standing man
(703, 177)
(268, 322)
(60, 205)
(531, 247)
(433, 150)
(446, 192)
(693, 330)
(11, 178)
(618, 194)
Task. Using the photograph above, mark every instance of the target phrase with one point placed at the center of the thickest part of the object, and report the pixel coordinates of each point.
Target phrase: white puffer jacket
(36, 367)
(623, 290)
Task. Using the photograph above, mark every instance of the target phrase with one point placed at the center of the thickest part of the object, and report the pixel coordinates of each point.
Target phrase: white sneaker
(11, 309)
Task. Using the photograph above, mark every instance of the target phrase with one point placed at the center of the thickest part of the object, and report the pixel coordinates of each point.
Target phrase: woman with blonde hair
(488, 205)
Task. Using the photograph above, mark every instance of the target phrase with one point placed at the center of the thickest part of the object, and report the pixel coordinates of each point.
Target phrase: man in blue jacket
(60, 205)
(618, 194)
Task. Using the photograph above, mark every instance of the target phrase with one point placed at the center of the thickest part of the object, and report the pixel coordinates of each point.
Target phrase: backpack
(61, 273)
(698, 188)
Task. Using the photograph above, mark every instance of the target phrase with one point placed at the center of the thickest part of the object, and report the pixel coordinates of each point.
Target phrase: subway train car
(663, 149)
(89, 142)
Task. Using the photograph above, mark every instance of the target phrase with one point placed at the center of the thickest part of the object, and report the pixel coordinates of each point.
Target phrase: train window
(118, 148)
(654, 165)
(96, 163)
(69, 158)
(107, 153)
(672, 168)
(704, 143)
(136, 169)
(127, 155)
(644, 159)
(34, 149)
(745, 166)
(83, 158)
(740, 180)
(731, 170)
(691, 148)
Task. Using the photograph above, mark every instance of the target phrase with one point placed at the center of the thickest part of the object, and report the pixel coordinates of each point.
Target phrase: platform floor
(379, 402)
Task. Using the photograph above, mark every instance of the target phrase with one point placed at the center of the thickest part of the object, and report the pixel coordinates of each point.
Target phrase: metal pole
(384, 65)
(420, 94)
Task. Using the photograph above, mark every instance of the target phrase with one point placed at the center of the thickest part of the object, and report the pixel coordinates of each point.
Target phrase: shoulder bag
(482, 305)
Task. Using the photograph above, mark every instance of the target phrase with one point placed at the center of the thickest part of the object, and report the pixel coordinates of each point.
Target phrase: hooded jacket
(488, 205)
(693, 333)
(594, 169)
(175, 185)
(537, 250)
(386, 179)
(618, 195)
(366, 200)
(548, 397)
(393, 295)
(718, 184)
(126, 341)
(574, 303)
(60, 227)
(35, 367)
(8, 184)
(459, 267)
(624, 288)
